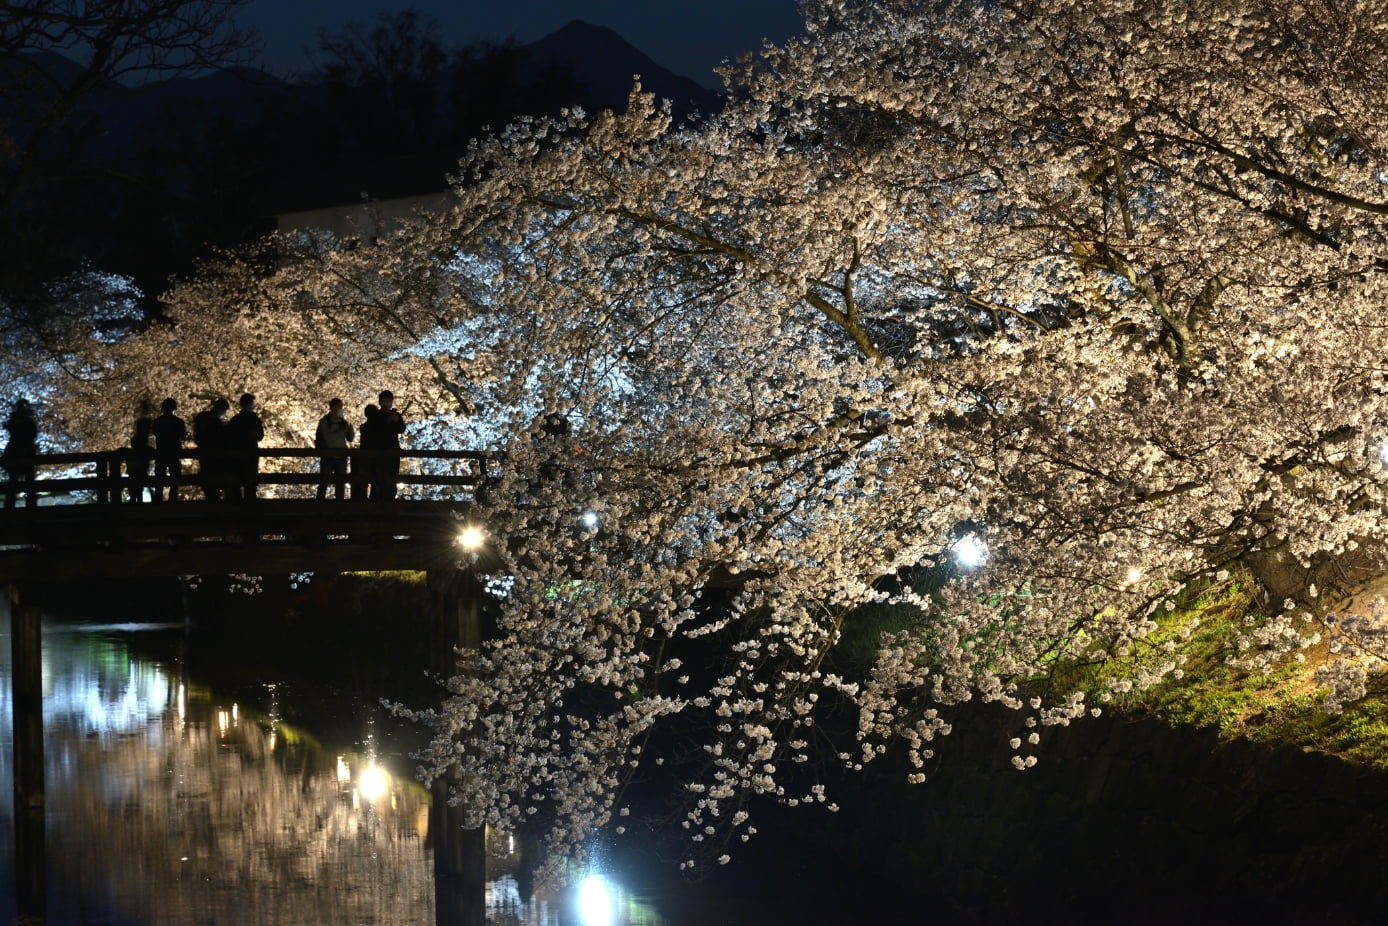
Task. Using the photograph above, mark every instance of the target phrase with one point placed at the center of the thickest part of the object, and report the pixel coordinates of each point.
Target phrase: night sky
(686, 37)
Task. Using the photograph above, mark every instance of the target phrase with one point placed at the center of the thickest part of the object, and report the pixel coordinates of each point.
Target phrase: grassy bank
(1279, 705)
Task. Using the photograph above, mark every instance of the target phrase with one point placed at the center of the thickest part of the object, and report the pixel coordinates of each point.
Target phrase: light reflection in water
(595, 901)
(167, 805)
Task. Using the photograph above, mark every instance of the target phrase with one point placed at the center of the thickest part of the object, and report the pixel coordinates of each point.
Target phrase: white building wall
(365, 220)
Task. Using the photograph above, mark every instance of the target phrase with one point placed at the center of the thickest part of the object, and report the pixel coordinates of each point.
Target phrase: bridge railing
(291, 472)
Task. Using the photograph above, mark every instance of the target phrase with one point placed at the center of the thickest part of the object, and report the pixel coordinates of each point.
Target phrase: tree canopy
(1094, 288)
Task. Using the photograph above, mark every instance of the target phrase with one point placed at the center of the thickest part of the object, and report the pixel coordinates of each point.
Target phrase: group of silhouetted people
(375, 472)
(228, 451)
(157, 443)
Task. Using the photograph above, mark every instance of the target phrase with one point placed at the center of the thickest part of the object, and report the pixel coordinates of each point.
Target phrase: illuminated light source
(589, 519)
(343, 772)
(969, 551)
(374, 782)
(596, 906)
(471, 538)
(1134, 575)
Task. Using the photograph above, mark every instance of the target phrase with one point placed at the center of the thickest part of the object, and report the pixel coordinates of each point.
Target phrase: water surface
(170, 801)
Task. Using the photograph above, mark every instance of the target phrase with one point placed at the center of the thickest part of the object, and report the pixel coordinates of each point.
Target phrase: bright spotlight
(471, 538)
(589, 519)
(373, 783)
(969, 551)
(596, 905)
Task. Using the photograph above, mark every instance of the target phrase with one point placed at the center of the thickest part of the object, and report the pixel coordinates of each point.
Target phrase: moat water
(190, 782)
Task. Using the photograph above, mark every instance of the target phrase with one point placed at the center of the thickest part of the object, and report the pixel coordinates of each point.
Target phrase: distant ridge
(606, 63)
(146, 179)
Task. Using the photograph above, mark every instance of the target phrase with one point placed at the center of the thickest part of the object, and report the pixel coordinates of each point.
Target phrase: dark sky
(689, 38)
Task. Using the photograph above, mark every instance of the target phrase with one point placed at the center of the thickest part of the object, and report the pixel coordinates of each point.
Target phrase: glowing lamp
(374, 783)
(969, 551)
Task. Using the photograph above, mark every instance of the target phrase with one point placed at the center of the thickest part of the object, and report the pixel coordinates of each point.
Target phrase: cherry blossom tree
(1091, 288)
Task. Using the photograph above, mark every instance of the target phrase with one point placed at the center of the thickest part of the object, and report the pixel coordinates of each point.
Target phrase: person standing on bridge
(244, 434)
(169, 434)
(18, 457)
(392, 426)
(366, 464)
(334, 433)
(141, 455)
(209, 433)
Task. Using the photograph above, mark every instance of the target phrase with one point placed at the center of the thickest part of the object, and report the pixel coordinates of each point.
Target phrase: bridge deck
(261, 537)
(78, 529)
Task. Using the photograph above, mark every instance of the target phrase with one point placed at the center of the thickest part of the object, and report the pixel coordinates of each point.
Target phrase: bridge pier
(26, 656)
(460, 854)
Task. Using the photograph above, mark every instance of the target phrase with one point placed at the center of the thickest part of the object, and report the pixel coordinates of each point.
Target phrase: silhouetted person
(555, 435)
(244, 434)
(366, 465)
(169, 434)
(388, 471)
(334, 433)
(20, 451)
(141, 454)
(209, 433)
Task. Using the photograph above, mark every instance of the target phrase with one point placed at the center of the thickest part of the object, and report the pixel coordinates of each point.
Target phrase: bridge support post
(108, 478)
(26, 653)
(460, 854)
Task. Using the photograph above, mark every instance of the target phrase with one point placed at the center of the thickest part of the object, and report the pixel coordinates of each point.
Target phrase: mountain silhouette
(144, 180)
(606, 65)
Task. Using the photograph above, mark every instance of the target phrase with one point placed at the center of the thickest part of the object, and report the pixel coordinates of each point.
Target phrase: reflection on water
(169, 805)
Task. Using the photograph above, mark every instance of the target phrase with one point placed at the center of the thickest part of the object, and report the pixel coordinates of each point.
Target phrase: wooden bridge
(86, 521)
